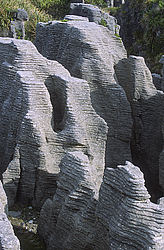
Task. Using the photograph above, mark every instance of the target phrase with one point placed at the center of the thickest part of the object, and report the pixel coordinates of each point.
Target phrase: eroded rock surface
(147, 105)
(68, 221)
(125, 211)
(121, 216)
(45, 113)
(8, 240)
(94, 14)
(90, 51)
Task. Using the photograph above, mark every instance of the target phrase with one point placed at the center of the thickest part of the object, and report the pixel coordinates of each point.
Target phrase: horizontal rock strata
(8, 240)
(147, 105)
(125, 211)
(90, 51)
(120, 216)
(94, 14)
(68, 221)
(45, 113)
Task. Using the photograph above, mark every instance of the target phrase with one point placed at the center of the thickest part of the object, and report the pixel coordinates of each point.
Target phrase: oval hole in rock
(58, 103)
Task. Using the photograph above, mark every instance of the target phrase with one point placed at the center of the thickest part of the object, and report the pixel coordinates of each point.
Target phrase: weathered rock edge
(8, 240)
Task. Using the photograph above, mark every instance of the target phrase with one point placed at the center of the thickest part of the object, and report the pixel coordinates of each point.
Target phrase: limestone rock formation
(90, 51)
(8, 240)
(119, 216)
(94, 14)
(147, 105)
(158, 80)
(45, 113)
(68, 221)
(126, 217)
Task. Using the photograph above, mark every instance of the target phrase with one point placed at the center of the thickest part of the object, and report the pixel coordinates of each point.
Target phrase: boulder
(94, 14)
(90, 51)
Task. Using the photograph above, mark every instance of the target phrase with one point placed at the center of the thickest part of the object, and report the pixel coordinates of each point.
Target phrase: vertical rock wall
(43, 114)
(147, 105)
(90, 51)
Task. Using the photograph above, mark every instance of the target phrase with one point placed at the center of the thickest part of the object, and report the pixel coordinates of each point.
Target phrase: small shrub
(103, 22)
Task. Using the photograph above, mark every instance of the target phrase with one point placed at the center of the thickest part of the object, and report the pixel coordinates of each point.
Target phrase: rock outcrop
(90, 51)
(125, 211)
(68, 221)
(8, 240)
(147, 105)
(94, 14)
(45, 113)
(66, 115)
(121, 216)
(158, 80)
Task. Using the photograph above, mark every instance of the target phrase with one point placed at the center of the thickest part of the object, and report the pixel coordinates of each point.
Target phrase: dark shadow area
(29, 240)
(58, 100)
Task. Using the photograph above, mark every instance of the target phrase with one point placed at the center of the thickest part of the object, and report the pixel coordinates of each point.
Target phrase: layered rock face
(45, 113)
(8, 240)
(147, 110)
(125, 211)
(90, 51)
(94, 14)
(58, 132)
(68, 221)
(120, 217)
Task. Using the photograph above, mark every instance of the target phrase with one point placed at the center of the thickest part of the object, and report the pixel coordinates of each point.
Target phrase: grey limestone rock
(45, 113)
(90, 51)
(75, 18)
(17, 28)
(118, 216)
(8, 240)
(68, 221)
(157, 81)
(94, 14)
(126, 217)
(147, 110)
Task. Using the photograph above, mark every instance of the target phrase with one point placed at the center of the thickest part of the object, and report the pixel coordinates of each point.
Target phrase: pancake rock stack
(147, 104)
(71, 116)
(94, 14)
(90, 51)
(125, 211)
(8, 240)
(45, 113)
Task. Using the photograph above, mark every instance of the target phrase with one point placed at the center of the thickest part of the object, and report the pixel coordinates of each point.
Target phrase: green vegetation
(103, 22)
(148, 34)
(144, 27)
(153, 26)
(7, 8)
